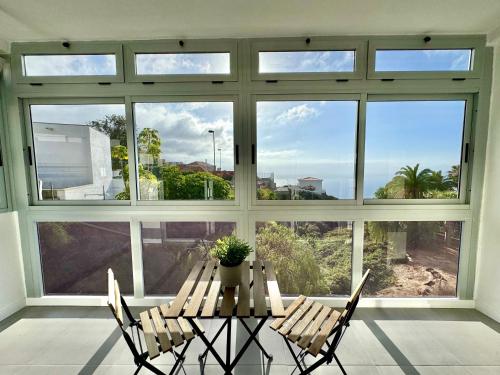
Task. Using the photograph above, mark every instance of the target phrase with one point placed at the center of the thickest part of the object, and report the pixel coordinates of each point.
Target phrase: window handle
(30, 157)
(466, 153)
(237, 154)
(253, 153)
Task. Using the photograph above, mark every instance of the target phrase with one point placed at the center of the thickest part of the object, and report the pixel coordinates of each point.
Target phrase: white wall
(487, 294)
(12, 292)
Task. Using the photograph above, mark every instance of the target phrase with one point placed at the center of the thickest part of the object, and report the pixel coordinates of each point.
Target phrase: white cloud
(298, 113)
(70, 65)
(184, 134)
(206, 63)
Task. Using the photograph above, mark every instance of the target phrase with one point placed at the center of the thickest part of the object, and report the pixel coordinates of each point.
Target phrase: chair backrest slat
(114, 297)
(347, 313)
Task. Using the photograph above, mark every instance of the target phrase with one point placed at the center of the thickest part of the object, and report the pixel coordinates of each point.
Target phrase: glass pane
(185, 150)
(412, 258)
(413, 149)
(425, 60)
(306, 62)
(76, 257)
(171, 249)
(69, 65)
(183, 63)
(309, 257)
(80, 151)
(306, 150)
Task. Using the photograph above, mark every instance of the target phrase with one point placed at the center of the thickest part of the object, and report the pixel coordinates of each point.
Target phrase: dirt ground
(427, 273)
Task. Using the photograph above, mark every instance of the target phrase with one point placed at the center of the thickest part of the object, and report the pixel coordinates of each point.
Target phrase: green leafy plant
(230, 250)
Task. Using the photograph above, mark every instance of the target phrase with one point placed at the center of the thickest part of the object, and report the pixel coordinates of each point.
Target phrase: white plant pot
(230, 276)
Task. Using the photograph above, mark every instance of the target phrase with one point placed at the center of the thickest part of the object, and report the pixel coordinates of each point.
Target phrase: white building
(81, 168)
(311, 184)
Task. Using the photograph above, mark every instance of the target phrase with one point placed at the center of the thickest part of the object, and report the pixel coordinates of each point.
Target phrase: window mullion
(129, 114)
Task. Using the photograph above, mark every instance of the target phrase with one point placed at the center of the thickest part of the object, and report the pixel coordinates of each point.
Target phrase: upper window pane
(306, 150)
(306, 61)
(426, 60)
(69, 65)
(80, 151)
(413, 149)
(183, 63)
(185, 150)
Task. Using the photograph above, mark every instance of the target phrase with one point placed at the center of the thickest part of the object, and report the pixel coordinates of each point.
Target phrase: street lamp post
(213, 143)
(220, 158)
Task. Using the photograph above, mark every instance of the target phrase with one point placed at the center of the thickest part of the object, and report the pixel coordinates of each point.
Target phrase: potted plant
(231, 252)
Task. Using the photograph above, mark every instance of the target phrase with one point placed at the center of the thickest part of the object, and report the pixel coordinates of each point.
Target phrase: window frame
(476, 44)
(237, 141)
(466, 139)
(174, 47)
(245, 212)
(256, 203)
(19, 50)
(358, 45)
(35, 200)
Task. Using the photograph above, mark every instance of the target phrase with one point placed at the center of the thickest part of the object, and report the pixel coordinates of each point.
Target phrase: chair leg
(152, 368)
(138, 369)
(338, 363)
(179, 358)
(295, 358)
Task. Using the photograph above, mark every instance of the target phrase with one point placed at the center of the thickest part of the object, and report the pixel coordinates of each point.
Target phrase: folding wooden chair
(160, 334)
(310, 324)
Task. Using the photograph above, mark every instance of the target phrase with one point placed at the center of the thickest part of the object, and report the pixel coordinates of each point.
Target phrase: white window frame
(237, 141)
(174, 47)
(358, 45)
(31, 144)
(466, 145)
(299, 97)
(244, 211)
(418, 43)
(19, 50)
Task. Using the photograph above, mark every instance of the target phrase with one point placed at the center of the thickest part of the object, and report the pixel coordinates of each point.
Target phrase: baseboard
(11, 308)
(434, 303)
(490, 310)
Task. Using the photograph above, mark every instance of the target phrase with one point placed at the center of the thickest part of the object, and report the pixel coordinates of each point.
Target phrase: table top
(199, 295)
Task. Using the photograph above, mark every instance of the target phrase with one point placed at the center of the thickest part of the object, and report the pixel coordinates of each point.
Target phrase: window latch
(30, 157)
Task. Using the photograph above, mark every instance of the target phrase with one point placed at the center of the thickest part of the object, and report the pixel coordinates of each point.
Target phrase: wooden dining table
(203, 296)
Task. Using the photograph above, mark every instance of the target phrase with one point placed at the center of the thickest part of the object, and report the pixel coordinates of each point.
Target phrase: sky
(68, 65)
(183, 63)
(295, 139)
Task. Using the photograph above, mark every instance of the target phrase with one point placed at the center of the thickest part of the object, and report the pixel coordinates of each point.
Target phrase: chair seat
(164, 334)
(307, 323)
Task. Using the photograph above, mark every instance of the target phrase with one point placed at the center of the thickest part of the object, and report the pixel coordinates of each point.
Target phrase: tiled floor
(85, 340)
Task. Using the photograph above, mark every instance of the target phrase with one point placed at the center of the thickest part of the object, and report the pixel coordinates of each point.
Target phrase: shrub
(230, 251)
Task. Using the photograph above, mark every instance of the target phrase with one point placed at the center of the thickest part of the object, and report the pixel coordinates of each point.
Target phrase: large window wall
(296, 145)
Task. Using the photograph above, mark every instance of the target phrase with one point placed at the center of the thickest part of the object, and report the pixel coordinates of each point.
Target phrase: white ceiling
(36, 20)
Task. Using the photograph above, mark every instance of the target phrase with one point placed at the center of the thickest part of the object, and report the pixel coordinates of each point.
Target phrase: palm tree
(414, 182)
(454, 175)
(439, 182)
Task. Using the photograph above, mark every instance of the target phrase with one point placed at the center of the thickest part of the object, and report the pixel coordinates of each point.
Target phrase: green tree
(454, 175)
(297, 269)
(115, 126)
(191, 185)
(149, 143)
(266, 194)
(144, 175)
(414, 182)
